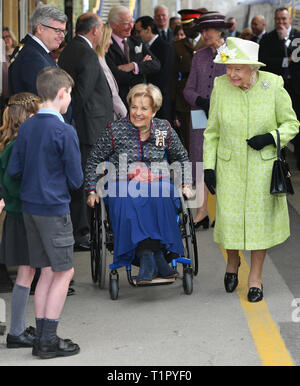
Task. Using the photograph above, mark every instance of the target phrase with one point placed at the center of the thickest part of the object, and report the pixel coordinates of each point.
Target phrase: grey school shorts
(50, 241)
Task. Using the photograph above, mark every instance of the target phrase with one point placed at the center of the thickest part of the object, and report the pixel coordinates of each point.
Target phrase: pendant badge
(160, 138)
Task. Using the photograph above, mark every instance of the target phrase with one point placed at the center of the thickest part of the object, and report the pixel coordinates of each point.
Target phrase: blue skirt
(152, 214)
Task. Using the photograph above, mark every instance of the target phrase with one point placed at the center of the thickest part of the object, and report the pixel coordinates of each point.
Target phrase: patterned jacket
(121, 139)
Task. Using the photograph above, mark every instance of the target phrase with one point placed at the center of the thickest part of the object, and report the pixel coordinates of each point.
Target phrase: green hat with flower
(238, 51)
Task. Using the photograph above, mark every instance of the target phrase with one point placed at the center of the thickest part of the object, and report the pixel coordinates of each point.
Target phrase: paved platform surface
(161, 326)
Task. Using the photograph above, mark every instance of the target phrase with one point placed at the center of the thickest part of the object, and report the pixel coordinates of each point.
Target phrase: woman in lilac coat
(197, 93)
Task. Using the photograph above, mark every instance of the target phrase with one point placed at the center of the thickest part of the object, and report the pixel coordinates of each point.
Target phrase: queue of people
(196, 91)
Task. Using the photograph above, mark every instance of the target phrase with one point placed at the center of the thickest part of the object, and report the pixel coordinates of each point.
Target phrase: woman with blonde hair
(10, 41)
(120, 110)
(14, 248)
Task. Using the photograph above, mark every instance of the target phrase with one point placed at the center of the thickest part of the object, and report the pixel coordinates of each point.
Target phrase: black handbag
(280, 181)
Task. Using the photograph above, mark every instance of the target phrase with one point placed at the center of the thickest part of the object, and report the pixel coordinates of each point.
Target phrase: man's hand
(147, 57)
(282, 31)
(126, 67)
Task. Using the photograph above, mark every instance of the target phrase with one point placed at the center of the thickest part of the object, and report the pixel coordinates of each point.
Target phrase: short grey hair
(161, 6)
(43, 15)
(254, 67)
(115, 12)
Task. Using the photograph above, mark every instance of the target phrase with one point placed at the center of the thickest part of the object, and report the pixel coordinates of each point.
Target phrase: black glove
(260, 141)
(203, 103)
(210, 180)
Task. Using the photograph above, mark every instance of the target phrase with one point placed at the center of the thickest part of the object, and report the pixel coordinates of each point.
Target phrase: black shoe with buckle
(231, 280)
(255, 294)
(23, 340)
(36, 342)
(59, 348)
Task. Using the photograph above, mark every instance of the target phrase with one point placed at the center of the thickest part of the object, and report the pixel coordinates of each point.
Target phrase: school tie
(126, 50)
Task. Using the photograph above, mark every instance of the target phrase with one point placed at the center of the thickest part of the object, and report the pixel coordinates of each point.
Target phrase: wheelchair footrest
(156, 281)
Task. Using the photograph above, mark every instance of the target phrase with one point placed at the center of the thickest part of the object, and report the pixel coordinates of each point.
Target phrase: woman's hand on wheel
(188, 192)
(92, 198)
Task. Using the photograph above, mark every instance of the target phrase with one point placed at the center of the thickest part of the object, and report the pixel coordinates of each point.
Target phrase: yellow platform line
(264, 330)
(269, 343)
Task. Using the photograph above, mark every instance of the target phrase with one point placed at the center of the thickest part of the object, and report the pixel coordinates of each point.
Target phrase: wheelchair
(102, 242)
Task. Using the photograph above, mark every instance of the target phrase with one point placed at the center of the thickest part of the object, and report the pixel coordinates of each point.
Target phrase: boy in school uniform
(46, 157)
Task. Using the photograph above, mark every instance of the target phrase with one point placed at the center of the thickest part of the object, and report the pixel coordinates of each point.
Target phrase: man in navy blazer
(48, 31)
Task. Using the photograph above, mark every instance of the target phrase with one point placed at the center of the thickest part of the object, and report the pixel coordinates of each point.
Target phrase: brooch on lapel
(138, 49)
(265, 85)
(160, 137)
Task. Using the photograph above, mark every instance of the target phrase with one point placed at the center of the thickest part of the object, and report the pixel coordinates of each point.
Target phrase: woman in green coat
(247, 106)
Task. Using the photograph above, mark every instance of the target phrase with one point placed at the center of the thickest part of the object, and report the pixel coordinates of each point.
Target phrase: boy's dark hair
(50, 80)
(148, 21)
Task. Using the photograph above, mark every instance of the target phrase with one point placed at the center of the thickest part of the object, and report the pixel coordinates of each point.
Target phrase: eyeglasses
(58, 31)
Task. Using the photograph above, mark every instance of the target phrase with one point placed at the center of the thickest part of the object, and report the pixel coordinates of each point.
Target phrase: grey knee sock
(19, 301)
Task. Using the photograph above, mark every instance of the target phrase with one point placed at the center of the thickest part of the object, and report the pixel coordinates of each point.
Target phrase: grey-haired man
(48, 31)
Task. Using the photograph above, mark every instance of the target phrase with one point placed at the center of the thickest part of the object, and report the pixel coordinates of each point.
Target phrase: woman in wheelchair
(141, 198)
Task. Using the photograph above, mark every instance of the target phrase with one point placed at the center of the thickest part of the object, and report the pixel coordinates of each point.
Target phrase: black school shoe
(60, 348)
(24, 340)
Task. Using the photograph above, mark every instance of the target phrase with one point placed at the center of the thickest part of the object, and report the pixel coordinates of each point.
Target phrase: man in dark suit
(128, 57)
(48, 31)
(91, 103)
(146, 28)
(276, 48)
(161, 17)
(258, 26)
(232, 31)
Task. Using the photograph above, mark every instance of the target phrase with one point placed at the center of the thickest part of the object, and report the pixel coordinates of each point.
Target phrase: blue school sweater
(46, 158)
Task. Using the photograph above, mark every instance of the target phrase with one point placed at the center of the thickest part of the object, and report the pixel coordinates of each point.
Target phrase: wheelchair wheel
(189, 236)
(102, 262)
(187, 281)
(194, 245)
(98, 244)
(95, 243)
